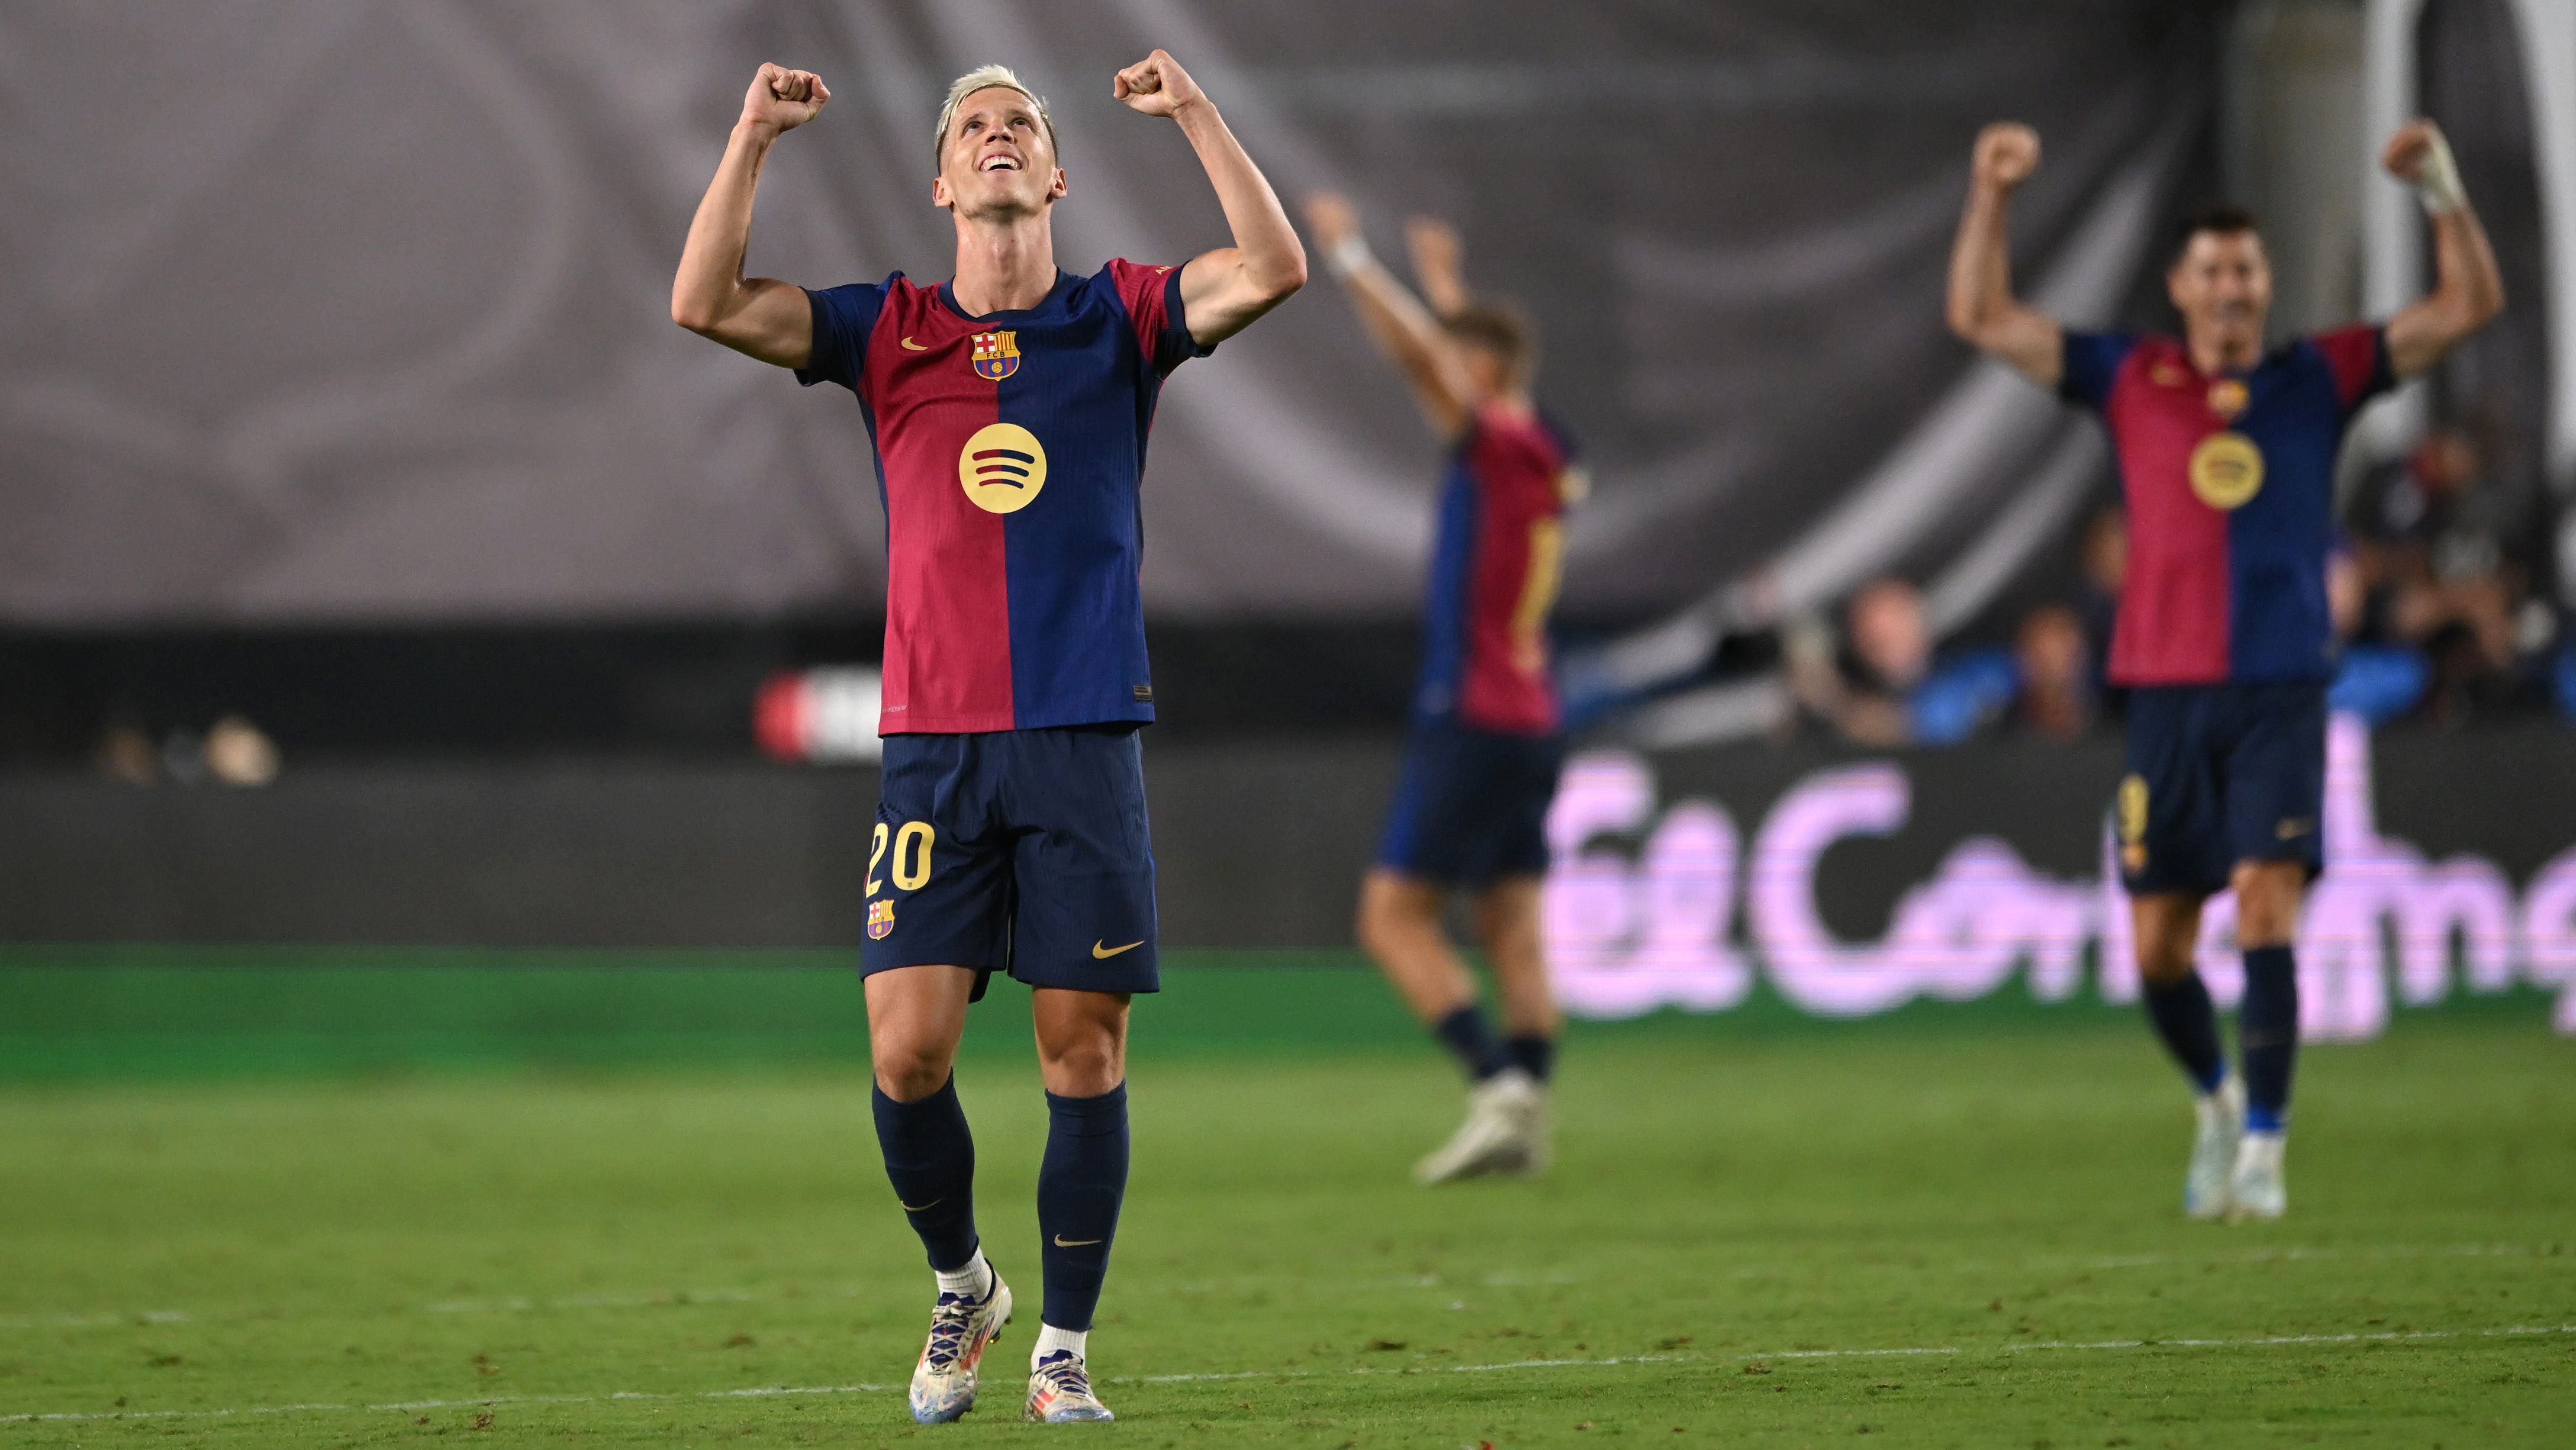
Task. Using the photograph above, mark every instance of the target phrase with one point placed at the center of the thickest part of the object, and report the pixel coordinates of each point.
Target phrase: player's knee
(910, 1071)
(2267, 901)
(1085, 1067)
(1385, 916)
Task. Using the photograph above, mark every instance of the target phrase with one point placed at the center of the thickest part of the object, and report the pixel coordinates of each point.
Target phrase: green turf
(1757, 1235)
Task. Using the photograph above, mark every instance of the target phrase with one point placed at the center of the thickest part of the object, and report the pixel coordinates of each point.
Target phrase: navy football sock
(1472, 1041)
(1532, 1052)
(930, 1157)
(2267, 1031)
(2188, 1024)
(1081, 1183)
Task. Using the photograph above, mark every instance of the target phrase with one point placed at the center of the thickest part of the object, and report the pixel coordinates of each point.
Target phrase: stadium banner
(358, 313)
(1665, 898)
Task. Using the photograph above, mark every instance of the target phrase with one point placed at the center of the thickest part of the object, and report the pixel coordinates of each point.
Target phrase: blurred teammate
(1008, 409)
(2227, 456)
(1481, 766)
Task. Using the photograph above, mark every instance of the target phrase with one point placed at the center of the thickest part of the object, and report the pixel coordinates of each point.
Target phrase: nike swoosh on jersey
(1103, 953)
(1065, 1243)
(911, 346)
(2293, 829)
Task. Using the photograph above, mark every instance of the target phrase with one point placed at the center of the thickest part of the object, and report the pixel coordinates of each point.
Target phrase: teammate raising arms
(1471, 810)
(2227, 455)
(1008, 408)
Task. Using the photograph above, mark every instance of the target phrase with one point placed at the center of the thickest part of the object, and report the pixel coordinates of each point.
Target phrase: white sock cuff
(1052, 1339)
(973, 1277)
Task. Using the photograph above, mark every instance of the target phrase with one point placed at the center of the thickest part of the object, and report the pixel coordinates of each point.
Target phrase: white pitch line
(1502, 1279)
(2261, 1341)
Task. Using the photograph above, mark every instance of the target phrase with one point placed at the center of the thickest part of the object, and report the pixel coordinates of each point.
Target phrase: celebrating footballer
(1008, 407)
(2227, 450)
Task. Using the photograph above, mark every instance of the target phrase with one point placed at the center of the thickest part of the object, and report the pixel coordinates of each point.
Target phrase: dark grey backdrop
(330, 311)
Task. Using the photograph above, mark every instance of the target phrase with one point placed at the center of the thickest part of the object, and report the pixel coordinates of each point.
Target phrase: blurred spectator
(2375, 681)
(2105, 555)
(2432, 561)
(240, 753)
(124, 752)
(2054, 699)
(1884, 690)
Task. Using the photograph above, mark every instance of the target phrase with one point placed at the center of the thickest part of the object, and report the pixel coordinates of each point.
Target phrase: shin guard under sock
(2188, 1023)
(1081, 1184)
(930, 1158)
(2267, 1033)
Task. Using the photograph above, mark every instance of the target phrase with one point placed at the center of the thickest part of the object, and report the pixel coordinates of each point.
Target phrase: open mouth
(999, 163)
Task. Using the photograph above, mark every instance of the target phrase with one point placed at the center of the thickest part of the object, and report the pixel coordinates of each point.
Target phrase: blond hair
(983, 78)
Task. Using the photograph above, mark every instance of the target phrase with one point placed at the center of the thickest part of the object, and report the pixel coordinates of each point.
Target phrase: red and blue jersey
(1010, 452)
(2230, 489)
(1494, 575)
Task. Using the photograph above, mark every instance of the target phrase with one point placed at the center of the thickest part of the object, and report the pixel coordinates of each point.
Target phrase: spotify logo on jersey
(2226, 470)
(1002, 468)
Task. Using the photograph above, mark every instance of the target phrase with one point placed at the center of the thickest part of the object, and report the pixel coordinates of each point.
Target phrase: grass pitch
(1957, 1227)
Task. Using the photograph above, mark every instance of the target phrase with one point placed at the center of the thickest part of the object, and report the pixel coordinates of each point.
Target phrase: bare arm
(1439, 264)
(760, 316)
(1982, 308)
(1223, 291)
(2468, 291)
(1410, 336)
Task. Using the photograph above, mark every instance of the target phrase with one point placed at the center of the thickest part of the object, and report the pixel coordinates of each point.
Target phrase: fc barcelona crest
(997, 355)
(880, 920)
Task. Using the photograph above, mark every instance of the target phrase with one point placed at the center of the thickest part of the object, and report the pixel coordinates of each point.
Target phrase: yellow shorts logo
(1002, 468)
(2226, 470)
(2133, 823)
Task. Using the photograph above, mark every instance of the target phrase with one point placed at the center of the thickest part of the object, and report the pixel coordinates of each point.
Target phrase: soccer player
(1481, 765)
(2227, 452)
(1009, 409)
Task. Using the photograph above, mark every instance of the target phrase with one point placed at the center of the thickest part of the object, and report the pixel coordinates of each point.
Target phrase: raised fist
(2007, 153)
(2409, 149)
(1155, 85)
(784, 99)
(1332, 218)
(1434, 245)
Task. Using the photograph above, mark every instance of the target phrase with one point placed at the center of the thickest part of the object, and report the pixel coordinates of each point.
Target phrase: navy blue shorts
(2220, 774)
(1471, 806)
(1022, 851)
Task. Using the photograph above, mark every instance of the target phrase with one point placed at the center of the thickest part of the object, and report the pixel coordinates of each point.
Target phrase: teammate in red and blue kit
(1481, 764)
(2227, 455)
(1009, 409)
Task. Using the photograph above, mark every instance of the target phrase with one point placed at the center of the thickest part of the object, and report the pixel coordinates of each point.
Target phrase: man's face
(1488, 371)
(996, 160)
(2222, 286)
(1889, 634)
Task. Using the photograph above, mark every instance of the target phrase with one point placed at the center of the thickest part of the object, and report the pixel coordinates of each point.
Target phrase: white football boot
(1060, 1392)
(1504, 1114)
(961, 1329)
(2213, 1150)
(2256, 1189)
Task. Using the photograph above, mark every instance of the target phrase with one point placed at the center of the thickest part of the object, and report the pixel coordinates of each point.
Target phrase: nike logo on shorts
(911, 346)
(2294, 828)
(1101, 953)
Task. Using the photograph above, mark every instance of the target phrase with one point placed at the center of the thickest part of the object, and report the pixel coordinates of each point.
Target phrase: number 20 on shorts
(911, 865)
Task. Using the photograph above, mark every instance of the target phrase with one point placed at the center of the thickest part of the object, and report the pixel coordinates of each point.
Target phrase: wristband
(2437, 183)
(1349, 255)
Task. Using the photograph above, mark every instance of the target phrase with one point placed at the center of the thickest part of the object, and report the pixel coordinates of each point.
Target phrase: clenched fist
(1332, 218)
(2409, 149)
(783, 99)
(1156, 85)
(2007, 153)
